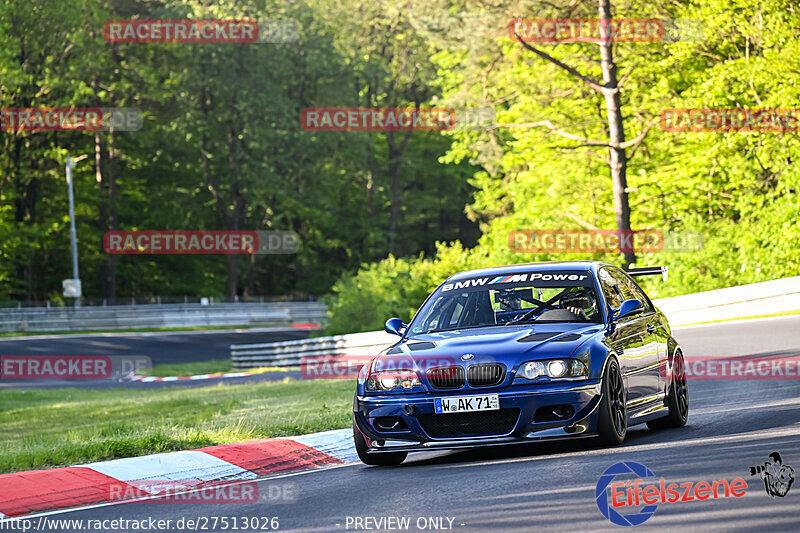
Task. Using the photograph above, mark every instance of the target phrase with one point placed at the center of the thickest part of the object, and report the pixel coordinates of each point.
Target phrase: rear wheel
(613, 424)
(677, 398)
(374, 459)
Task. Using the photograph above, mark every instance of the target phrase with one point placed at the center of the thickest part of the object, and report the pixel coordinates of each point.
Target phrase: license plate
(460, 404)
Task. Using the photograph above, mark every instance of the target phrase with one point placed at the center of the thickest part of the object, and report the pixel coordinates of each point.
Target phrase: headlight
(557, 368)
(392, 379)
(554, 369)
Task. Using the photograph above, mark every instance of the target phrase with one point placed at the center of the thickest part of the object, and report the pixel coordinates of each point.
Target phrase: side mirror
(629, 308)
(394, 325)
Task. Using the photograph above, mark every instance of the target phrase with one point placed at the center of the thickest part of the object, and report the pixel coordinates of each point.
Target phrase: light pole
(76, 291)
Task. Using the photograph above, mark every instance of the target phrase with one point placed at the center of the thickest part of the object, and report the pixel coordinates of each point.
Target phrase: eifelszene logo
(650, 493)
(777, 477)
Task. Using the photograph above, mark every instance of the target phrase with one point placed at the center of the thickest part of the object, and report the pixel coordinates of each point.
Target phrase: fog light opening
(563, 411)
(554, 413)
(390, 423)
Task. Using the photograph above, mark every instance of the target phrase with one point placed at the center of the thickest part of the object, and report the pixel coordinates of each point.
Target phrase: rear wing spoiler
(648, 271)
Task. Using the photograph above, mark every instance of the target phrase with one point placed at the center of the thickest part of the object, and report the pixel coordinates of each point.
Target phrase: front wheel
(613, 424)
(375, 459)
(677, 399)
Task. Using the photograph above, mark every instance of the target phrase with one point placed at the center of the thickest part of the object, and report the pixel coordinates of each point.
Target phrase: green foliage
(738, 190)
(391, 288)
(221, 148)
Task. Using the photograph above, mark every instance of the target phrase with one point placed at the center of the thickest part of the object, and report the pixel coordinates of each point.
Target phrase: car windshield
(509, 299)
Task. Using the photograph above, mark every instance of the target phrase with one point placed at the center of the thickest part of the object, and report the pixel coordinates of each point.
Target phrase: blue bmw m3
(522, 353)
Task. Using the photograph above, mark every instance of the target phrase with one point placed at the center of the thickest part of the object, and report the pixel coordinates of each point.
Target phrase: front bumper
(583, 397)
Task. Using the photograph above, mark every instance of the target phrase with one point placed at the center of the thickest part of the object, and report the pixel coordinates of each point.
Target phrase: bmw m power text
(522, 353)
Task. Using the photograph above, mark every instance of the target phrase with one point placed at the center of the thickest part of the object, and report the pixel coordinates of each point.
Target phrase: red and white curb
(44, 490)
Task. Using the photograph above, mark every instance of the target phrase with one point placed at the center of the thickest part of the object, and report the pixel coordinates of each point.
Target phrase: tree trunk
(111, 263)
(394, 190)
(236, 217)
(395, 154)
(25, 213)
(371, 171)
(370, 186)
(618, 159)
(232, 218)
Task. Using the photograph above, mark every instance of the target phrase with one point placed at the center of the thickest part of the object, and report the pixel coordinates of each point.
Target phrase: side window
(629, 288)
(622, 283)
(638, 293)
(610, 288)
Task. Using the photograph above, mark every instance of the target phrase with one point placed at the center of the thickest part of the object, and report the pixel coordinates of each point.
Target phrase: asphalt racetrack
(732, 425)
(160, 347)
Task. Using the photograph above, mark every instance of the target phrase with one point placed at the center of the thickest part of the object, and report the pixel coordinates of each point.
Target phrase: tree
(609, 88)
(395, 72)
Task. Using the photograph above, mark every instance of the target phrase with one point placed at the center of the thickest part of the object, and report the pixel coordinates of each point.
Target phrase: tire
(613, 424)
(677, 398)
(375, 459)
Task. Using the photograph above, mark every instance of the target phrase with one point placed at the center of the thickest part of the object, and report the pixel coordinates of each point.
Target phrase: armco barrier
(160, 316)
(289, 353)
(782, 295)
(767, 297)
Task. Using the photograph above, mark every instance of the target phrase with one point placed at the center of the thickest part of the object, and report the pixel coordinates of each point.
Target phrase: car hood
(509, 345)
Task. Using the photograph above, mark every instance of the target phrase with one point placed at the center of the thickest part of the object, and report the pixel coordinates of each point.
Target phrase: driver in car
(581, 302)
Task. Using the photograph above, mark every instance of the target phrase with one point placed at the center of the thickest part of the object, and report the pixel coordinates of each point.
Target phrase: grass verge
(215, 366)
(47, 428)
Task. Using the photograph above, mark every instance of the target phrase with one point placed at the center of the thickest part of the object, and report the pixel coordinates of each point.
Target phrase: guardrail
(767, 297)
(775, 296)
(161, 316)
(289, 353)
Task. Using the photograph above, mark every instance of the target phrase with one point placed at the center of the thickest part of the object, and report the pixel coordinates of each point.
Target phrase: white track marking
(337, 443)
(176, 466)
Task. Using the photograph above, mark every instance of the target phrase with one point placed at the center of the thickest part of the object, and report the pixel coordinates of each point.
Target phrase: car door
(658, 329)
(631, 341)
(625, 338)
(644, 378)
